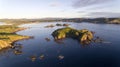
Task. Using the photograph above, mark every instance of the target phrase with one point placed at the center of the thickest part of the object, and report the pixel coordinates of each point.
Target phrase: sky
(59, 8)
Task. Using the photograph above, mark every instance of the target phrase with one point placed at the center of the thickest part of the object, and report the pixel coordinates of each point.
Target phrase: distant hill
(104, 20)
(91, 20)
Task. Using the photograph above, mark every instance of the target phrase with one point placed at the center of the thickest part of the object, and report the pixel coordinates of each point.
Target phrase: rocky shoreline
(84, 36)
(7, 44)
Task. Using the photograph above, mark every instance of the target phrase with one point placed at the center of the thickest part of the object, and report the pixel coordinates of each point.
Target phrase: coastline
(9, 43)
(26, 37)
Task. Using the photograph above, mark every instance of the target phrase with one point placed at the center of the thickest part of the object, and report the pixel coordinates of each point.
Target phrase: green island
(8, 35)
(84, 36)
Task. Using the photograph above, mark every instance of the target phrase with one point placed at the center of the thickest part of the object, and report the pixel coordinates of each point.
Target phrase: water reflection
(44, 51)
(16, 48)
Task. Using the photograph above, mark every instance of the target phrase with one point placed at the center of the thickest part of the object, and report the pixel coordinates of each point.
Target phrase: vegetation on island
(8, 35)
(84, 36)
(8, 32)
(58, 24)
(103, 20)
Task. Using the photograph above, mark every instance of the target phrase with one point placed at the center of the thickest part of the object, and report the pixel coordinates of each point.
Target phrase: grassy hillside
(8, 35)
(15, 21)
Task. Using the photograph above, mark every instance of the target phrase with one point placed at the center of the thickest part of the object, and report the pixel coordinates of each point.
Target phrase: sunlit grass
(8, 35)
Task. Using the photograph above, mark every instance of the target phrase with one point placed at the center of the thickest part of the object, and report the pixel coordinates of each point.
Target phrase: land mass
(84, 36)
(8, 32)
(91, 20)
(8, 35)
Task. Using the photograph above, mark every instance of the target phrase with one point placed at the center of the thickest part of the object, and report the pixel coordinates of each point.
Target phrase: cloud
(81, 11)
(86, 3)
(103, 14)
(55, 4)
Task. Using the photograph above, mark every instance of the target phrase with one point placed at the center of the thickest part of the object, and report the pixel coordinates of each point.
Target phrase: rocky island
(83, 36)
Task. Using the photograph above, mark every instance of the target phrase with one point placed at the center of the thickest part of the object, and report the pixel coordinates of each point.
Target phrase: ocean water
(65, 53)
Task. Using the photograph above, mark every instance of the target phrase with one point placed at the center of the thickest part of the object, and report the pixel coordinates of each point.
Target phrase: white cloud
(55, 4)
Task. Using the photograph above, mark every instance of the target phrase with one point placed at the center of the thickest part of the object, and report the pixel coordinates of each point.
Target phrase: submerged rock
(60, 57)
(17, 52)
(33, 58)
(83, 35)
(100, 40)
(49, 26)
(58, 24)
(42, 57)
(47, 39)
(15, 45)
(66, 24)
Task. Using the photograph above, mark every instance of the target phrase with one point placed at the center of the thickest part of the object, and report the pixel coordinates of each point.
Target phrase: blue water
(75, 54)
